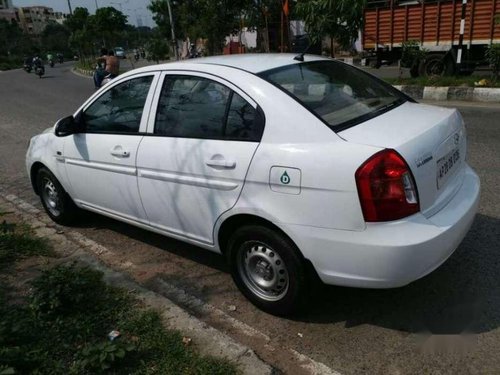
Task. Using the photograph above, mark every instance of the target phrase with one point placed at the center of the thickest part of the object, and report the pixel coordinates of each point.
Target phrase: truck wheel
(436, 65)
(414, 71)
(267, 269)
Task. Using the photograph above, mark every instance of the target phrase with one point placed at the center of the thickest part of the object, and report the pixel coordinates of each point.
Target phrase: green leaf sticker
(285, 179)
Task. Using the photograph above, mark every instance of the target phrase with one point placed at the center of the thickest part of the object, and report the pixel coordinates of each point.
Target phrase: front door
(100, 161)
(193, 168)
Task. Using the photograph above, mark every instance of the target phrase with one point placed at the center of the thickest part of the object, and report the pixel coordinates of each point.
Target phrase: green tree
(158, 48)
(209, 19)
(109, 23)
(89, 32)
(339, 19)
(55, 38)
(12, 40)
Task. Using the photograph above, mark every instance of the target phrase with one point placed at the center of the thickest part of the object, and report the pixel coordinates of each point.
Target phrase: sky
(132, 8)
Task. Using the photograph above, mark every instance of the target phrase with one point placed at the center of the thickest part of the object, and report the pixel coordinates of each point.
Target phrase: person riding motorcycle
(27, 63)
(60, 57)
(111, 67)
(50, 59)
(38, 65)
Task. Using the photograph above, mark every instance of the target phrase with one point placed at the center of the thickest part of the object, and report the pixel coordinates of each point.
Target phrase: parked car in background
(276, 161)
(120, 52)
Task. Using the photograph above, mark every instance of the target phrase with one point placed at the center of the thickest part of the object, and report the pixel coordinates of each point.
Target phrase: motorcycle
(51, 63)
(101, 77)
(39, 71)
(27, 68)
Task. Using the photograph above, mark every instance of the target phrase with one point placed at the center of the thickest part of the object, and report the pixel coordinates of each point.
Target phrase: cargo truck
(452, 35)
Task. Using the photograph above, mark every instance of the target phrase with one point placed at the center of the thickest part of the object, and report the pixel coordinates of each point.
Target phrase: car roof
(250, 62)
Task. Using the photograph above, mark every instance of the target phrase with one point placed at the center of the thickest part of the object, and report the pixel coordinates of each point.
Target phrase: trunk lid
(431, 139)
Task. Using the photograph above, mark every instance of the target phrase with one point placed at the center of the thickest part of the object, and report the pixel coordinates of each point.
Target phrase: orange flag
(286, 9)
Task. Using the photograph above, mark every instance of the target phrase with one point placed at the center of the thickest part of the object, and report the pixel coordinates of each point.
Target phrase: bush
(411, 54)
(64, 290)
(493, 57)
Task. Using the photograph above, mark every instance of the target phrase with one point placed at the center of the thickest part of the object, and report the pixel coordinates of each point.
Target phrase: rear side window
(119, 110)
(196, 107)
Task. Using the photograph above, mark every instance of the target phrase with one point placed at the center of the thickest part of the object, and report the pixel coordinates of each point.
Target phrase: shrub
(68, 289)
(493, 57)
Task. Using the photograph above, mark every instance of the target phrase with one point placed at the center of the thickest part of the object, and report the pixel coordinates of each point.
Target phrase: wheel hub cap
(51, 197)
(263, 271)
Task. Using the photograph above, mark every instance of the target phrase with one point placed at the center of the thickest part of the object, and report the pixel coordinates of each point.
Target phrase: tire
(436, 65)
(414, 71)
(56, 202)
(259, 255)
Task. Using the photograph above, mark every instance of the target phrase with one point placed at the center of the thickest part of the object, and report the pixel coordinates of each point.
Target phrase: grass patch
(63, 324)
(17, 241)
(444, 81)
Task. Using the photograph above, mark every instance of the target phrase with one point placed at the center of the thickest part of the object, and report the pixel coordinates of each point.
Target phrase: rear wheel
(56, 202)
(436, 65)
(267, 269)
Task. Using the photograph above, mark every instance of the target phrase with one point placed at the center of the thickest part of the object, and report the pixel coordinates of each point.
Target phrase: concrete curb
(207, 340)
(470, 94)
(83, 72)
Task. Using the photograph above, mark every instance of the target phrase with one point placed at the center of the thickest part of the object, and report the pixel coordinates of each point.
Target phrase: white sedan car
(277, 161)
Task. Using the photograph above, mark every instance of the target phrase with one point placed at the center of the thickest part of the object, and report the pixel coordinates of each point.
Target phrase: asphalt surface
(445, 323)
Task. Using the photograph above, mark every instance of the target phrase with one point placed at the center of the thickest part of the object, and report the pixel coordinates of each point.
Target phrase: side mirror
(67, 126)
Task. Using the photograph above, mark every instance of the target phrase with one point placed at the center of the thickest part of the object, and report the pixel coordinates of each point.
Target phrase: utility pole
(96, 6)
(174, 40)
(69, 6)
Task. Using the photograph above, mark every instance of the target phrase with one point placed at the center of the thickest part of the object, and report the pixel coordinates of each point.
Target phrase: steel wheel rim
(51, 197)
(263, 271)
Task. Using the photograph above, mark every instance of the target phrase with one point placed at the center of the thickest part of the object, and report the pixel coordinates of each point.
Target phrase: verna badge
(424, 159)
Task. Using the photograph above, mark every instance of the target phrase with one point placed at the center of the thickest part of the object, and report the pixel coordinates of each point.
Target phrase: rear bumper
(388, 255)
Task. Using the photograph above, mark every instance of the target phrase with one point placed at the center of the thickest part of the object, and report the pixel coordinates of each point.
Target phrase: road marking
(177, 294)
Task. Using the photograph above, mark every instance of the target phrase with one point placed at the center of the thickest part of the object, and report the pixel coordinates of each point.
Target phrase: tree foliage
(55, 38)
(12, 40)
(208, 19)
(90, 32)
(340, 19)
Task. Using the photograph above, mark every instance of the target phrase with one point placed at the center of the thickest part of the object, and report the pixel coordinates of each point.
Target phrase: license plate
(446, 166)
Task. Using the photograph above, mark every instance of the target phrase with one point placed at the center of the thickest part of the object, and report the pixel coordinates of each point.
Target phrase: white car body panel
(167, 187)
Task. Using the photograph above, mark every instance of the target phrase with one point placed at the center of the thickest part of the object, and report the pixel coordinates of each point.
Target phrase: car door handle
(119, 152)
(221, 163)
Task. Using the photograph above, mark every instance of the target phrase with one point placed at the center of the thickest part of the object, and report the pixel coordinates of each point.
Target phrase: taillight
(386, 187)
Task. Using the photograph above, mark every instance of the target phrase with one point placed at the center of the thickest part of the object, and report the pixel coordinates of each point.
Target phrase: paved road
(351, 330)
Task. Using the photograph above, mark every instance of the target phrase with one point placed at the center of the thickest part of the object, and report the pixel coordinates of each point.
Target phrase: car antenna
(300, 56)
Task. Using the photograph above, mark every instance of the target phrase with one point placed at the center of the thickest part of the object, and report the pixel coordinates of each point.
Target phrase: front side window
(118, 110)
(340, 95)
(196, 107)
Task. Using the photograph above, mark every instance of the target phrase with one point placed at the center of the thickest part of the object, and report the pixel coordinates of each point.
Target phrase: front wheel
(56, 202)
(267, 269)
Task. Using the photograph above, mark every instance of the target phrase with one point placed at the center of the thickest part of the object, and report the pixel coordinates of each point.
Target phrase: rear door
(192, 168)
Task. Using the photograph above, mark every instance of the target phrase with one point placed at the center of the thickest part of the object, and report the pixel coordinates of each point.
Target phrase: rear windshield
(341, 95)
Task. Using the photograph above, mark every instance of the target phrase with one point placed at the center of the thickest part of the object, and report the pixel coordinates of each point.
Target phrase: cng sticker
(285, 179)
